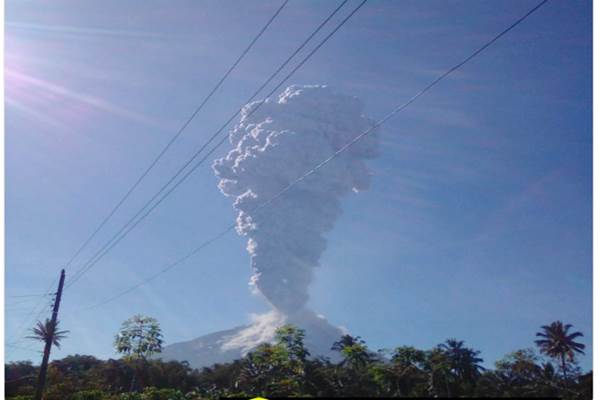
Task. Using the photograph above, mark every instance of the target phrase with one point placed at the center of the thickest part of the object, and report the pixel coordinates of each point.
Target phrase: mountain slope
(228, 345)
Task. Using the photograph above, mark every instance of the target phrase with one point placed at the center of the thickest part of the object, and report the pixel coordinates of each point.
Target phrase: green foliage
(152, 393)
(89, 395)
(276, 369)
(139, 337)
(454, 368)
(292, 339)
(357, 373)
(20, 378)
(404, 375)
(285, 368)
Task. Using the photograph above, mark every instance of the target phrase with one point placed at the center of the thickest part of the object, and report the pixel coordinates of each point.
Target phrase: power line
(26, 321)
(132, 222)
(162, 271)
(7, 309)
(324, 162)
(27, 295)
(124, 229)
(22, 348)
(176, 136)
(29, 321)
(402, 106)
(20, 301)
(20, 336)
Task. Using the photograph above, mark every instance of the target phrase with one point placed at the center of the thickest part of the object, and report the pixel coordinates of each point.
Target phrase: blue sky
(477, 226)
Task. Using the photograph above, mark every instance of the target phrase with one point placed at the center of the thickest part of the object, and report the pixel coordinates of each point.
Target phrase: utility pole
(44, 367)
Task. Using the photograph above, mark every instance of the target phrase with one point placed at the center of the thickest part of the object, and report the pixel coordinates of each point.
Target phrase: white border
(2, 257)
(596, 148)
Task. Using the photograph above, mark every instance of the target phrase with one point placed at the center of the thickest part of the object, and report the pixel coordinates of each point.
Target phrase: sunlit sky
(478, 223)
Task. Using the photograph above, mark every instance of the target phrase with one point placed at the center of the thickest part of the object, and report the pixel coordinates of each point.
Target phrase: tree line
(286, 368)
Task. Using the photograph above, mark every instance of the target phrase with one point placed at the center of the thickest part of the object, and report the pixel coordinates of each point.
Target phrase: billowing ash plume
(275, 145)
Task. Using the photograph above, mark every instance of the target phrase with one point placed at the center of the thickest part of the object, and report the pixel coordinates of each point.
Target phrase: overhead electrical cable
(134, 221)
(175, 137)
(26, 295)
(27, 321)
(326, 161)
(20, 301)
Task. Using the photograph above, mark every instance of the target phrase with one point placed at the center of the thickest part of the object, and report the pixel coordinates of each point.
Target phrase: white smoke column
(273, 147)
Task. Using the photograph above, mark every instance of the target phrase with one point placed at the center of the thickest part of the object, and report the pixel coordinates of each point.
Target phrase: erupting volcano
(276, 142)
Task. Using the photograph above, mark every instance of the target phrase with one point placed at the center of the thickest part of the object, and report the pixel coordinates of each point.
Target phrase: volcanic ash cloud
(275, 145)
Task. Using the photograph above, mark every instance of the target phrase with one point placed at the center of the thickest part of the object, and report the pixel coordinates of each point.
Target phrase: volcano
(228, 345)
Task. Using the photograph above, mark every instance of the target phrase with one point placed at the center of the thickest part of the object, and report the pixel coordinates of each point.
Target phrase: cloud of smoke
(274, 146)
(261, 330)
(320, 335)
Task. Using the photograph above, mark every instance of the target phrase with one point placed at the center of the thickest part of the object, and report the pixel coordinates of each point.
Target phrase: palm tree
(558, 343)
(463, 360)
(48, 333)
(354, 350)
(43, 331)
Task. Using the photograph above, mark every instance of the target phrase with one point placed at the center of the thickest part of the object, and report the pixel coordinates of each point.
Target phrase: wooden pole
(44, 367)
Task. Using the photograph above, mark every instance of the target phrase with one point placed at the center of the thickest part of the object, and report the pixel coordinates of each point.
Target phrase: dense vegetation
(286, 368)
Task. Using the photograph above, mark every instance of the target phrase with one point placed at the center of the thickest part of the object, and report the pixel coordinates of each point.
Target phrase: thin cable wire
(176, 136)
(24, 325)
(29, 347)
(324, 162)
(132, 222)
(21, 336)
(402, 106)
(8, 309)
(162, 271)
(16, 344)
(20, 301)
(27, 295)
(124, 229)
(28, 325)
